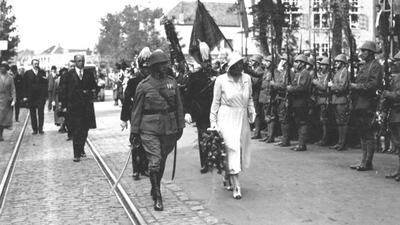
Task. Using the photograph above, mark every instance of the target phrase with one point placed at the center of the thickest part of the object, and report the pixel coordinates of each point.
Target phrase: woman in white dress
(232, 111)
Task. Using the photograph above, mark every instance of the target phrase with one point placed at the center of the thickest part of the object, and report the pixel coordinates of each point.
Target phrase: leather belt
(157, 111)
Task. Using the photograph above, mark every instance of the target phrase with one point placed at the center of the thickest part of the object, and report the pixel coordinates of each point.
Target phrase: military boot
(303, 131)
(271, 126)
(285, 135)
(324, 140)
(370, 155)
(364, 150)
(342, 138)
(156, 192)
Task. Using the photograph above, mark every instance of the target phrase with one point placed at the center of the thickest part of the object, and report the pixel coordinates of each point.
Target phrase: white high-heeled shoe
(236, 193)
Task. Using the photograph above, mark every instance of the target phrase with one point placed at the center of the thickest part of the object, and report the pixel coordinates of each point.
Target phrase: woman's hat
(5, 63)
(233, 58)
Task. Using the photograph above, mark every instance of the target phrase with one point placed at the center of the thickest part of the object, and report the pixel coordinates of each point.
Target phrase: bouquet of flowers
(213, 144)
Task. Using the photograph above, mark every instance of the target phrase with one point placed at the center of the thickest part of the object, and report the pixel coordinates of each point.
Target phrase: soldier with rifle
(256, 71)
(282, 79)
(364, 90)
(298, 91)
(392, 110)
(266, 98)
(321, 84)
(340, 90)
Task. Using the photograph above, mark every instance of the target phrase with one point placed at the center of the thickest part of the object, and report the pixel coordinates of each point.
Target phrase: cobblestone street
(280, 187)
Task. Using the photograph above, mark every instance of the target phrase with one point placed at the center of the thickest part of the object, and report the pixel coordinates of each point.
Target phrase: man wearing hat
(321, 84)
(256, 70)
(7, 98)
(340, 91)
(35, 88)
(279, 84)
(198, 99)
(139, 160)
(18, 89)
(299, 93)
(157, 119)
(368, 81)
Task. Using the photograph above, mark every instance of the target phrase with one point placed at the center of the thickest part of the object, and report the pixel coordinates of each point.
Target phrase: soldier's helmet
(341, 58)
(157, 57)
(268, 58)
(311, 61)
(257, 58)
(289, 59)
(302, 58)
(324, 61)
(369, 45)
(397, 56)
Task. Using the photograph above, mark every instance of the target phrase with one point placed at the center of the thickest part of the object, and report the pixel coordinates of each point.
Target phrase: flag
(243, 16)
(205, 30)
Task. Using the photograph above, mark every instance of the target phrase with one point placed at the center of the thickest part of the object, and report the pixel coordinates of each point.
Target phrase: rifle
(288, 78)
(272, 92)
(328, 100)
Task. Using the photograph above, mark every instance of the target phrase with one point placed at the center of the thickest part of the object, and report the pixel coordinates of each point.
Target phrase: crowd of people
(288, 96)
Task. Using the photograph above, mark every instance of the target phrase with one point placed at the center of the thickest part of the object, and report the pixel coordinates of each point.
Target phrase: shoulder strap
(159, 92)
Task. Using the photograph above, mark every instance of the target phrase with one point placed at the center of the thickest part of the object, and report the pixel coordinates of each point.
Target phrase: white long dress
(232, 111)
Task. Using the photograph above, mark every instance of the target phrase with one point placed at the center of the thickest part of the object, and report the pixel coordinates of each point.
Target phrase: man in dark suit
(77, 93)
(18, 89)
(51, 78)
(35, 92)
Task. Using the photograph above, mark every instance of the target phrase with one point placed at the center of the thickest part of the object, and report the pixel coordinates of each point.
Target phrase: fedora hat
(233, 58)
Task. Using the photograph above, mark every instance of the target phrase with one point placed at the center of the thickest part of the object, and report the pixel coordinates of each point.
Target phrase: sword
(174, 166)
(122, 172)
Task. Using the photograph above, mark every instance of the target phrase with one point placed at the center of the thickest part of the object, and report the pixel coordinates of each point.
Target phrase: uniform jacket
(280, 80)
(130, 95)
(165, 117)
(321, 88)
(256, 79)
(7, 91)
(393, 99)
(368, 81)
(265, 92)
(299, 90)
(77, 97)
(199, 95)
(35, 87)
(340, 87)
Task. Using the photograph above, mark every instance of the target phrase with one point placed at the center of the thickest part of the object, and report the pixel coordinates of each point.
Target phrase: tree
(7, 31)
(126, 33)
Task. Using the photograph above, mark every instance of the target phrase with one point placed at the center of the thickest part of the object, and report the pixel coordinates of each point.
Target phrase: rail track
(122, 196)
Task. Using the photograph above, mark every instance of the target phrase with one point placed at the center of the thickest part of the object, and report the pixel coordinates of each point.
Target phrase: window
(320, 15)
(292, 13)
(320, 49)
(353, 14)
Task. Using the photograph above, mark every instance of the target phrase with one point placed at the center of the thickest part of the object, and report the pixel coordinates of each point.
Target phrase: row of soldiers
(294, 90)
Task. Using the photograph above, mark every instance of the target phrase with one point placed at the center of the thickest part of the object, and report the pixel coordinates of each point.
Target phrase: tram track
(123, 198)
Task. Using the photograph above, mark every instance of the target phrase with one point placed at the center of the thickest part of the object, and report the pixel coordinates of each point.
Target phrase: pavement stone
(49, 188)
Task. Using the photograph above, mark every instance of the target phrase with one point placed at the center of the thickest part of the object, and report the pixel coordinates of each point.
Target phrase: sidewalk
(49, 188)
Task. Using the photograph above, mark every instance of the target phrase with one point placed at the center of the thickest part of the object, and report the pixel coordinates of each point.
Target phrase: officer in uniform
(255, 70)
(299, 93)
(157, 119)
(368, 81)
(321, 84)
(340, 91)
(269, 109)
(139, 160)
(280, 85)
(392, 100)
(198, 99)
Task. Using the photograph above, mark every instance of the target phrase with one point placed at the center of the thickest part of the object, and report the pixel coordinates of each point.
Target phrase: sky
(74, 24)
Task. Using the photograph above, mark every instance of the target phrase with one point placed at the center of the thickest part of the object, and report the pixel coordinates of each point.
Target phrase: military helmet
(341, 58)
(269, 58)
(157, 57)
(257, 58)
(397, 56)
(311, 61)
(302, 58)
(369, 45)
(324, 61)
